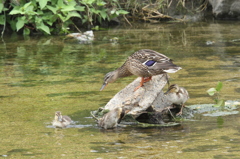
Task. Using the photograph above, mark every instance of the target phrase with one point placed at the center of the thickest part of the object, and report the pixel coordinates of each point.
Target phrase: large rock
(225, 9)
(147, 104)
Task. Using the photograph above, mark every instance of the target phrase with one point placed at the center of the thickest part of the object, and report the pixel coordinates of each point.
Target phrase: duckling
(61, 121)
(112, 119)
(177, 95)
(144, 63)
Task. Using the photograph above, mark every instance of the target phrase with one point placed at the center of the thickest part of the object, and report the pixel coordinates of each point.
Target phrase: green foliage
(216, 92)
(55, 16)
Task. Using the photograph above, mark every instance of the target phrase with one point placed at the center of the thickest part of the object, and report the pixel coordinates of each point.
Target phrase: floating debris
(114, 40)
(83, 38)
(210, 42)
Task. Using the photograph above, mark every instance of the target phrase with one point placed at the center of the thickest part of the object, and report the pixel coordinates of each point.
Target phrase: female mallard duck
(112, 118)
(61, 121)
(177, 95)
(143, 63)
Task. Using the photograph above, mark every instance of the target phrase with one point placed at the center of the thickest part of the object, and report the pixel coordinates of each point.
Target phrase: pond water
(41, 75)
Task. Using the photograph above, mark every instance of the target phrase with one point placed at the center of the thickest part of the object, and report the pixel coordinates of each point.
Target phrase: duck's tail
(173, 69)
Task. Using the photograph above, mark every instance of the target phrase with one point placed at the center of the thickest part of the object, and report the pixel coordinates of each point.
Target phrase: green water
(41, 75)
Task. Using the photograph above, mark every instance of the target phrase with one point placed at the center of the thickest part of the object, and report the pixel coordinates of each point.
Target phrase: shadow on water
(23, 152)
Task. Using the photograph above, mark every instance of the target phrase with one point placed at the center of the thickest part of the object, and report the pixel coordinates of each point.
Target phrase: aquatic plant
(56, 16)
(216, 91)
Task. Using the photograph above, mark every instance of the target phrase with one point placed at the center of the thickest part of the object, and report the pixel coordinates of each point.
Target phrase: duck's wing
(147, 54)
(67, 118)
(185, 92)
(153, 63)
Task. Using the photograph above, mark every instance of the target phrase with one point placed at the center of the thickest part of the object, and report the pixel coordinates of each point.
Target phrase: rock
(147, 104)
(225, 9)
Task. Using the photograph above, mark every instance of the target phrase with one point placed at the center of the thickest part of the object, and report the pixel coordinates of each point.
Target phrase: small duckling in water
(177, 95)
(61, 121)
(112, 118)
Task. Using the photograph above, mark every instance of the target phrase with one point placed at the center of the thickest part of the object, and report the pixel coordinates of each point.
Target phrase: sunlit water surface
(41, 75)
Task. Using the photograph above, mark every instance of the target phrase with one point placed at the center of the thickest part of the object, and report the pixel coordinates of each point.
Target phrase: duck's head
(174, 88)
(58, 116)
(110, 77)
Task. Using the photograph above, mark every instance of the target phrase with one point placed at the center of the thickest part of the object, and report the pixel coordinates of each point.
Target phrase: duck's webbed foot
(180, 112)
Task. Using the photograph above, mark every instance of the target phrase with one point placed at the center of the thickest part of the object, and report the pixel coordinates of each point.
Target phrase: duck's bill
(103, 86)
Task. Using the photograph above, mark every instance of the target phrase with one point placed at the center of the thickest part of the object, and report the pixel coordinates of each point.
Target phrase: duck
(144, 63)
(177, 95)
(61, 121)
(111, 119)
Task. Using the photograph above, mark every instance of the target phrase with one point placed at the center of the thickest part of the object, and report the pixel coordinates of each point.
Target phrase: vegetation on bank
(58, 16)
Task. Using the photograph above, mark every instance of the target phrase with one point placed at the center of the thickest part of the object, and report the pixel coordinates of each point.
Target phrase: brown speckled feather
(135, 63)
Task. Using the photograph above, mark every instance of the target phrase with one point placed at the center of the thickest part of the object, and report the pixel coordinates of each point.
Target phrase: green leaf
(20, 23)
(101, 3)
(72, 14)
(2, 19)
(113, 11)
(12, 24)
(16, 10)
(68, 8)
(219, 86)
(103, 14)
(42, 3)
(219, 103)
(71, 6)
(38, 20)
(60, 3)
(43, 27)
(27, 5)
(211, 91)
(84, 20)
(80, 8)
(26, 31)
(29, 10)
(95, 11)
(54, 10)
(1, 7)
(122, 12)
(61, 17)
(86, 2)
